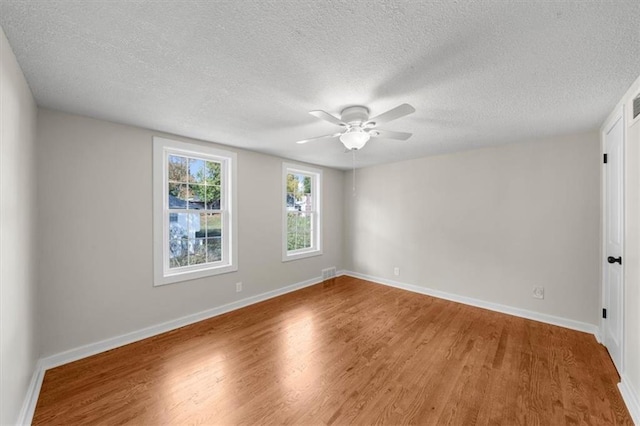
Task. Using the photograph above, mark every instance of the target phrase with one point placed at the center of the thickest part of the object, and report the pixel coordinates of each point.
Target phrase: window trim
(162, 148)
(316, 184)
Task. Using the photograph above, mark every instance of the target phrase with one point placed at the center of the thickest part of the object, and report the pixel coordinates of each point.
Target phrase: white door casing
(613, 269)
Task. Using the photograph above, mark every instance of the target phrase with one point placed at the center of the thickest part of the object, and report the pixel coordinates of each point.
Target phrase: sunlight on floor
(298, 370)
(182, 384)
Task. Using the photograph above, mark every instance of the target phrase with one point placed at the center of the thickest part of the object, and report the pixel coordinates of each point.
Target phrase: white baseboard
(31, 398)
(134, 336)
(631, 398)
(523, 313)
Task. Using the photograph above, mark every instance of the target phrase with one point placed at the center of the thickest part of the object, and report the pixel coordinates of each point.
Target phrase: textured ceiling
(246, 73)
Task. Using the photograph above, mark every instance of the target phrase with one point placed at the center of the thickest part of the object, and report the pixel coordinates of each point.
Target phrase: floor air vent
(328, 273)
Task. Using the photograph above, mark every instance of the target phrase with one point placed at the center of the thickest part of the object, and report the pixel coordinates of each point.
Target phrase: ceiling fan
(357, 127)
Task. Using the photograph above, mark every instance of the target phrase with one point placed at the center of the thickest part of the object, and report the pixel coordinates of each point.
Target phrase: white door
(613, 239)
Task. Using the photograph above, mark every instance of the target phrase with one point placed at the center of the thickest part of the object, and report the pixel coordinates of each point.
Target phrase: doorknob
(612, 259)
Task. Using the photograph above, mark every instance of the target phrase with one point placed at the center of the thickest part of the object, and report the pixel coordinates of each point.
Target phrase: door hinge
(604, 313)
(605, 158)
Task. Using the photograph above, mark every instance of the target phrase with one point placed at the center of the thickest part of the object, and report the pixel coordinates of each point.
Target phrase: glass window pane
(197, 195)
(211, 225)
(299, 241)
(178, 253)
(177, 169)
(177, 196)
(214, 249)
(305, 203)
(196, 170)
(178, 226)
(305, 230)
(197, 251)
(291, 230)
(307, 185)
(298, 231)
(212, 173)
(293, 186)
(213, 197)
(200, 229)
(291, 201)
(299, 188)
(194, 226)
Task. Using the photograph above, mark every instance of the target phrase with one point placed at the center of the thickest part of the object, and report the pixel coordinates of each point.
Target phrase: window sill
(193, 275)
(301, 255)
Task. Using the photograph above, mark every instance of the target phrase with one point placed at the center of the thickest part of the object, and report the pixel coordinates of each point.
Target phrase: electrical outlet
(538, 293)
(396, 271)
(239, 287)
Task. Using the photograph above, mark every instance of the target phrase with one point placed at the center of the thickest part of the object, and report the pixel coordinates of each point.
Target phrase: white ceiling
(246, 73)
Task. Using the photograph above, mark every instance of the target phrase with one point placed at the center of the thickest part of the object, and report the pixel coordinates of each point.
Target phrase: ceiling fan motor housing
(355, 115)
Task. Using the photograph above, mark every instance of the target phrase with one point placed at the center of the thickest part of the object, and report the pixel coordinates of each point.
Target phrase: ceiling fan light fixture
(354, 138)
(358, 128)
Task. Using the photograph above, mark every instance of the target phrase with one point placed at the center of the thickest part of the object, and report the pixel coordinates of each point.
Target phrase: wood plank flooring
(344, 352)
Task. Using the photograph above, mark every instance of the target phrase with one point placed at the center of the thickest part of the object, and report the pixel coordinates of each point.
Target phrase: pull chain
(353, 163)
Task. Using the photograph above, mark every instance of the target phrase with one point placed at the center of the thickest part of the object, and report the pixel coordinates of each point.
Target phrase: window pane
(178, 226)
(214, 249)
(291, 231)
(303, 231)
(306, 231)
(210, 225)
(212, 197)
(178, 253)
(305, 203)
(299, 196)
(177, 196)
(298, 231)
(197, 251)
(177, 169)
(291, 201)
(212, 173)
(294, 186)
(307, 185)
(196, 197)
(196, 170)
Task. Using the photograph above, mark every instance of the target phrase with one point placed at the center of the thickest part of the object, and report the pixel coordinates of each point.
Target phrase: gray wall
(18, 316)
(95, 233)
(488, 224)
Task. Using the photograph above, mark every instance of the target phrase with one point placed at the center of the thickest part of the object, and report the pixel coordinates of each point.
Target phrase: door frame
(617, 115)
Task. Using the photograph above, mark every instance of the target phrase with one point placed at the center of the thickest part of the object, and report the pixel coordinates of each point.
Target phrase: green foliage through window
(299, 211)
(299, 230)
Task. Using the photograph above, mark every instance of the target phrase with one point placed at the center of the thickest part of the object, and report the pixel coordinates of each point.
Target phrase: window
(194, 214)
(301, 212)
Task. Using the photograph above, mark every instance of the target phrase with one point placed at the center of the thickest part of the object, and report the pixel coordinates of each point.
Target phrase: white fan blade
(392, 114)
(323, 115)
(335, 135)
(389, 134)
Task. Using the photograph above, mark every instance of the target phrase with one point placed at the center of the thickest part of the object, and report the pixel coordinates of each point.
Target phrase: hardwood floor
(345, 351)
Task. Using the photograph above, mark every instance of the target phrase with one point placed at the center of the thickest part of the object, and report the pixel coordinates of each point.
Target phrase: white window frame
(162, 148)
(316, 190)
